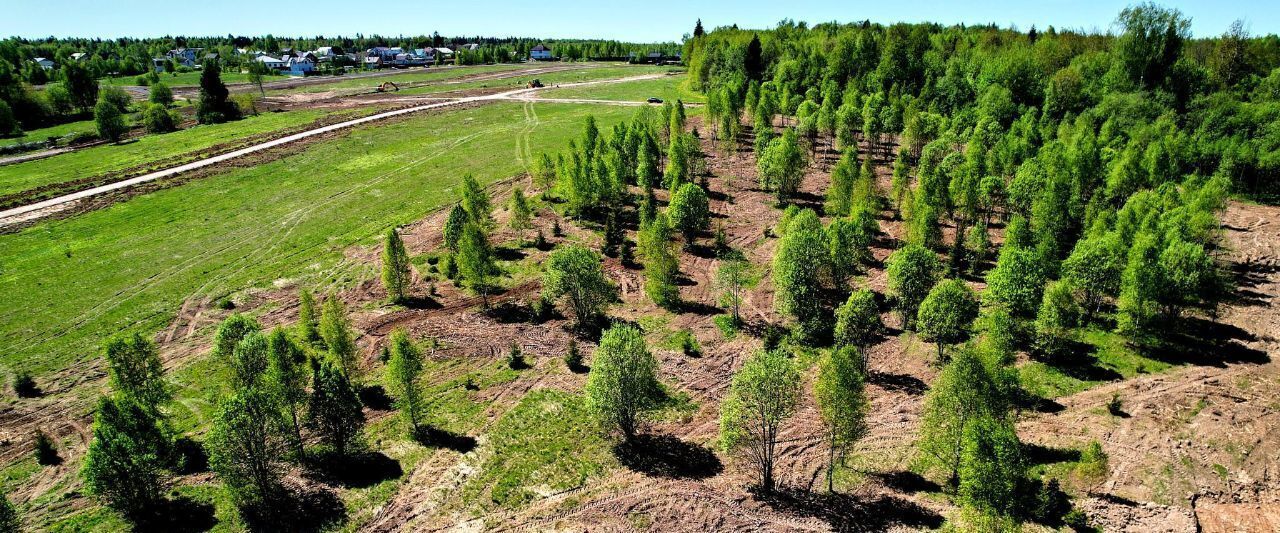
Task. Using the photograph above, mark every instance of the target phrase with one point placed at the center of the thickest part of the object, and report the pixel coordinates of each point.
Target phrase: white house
(270, 62)
(300, 65)
(44, 62)
(79, 56)
(444, 52)
(471, 47)
(540, 52)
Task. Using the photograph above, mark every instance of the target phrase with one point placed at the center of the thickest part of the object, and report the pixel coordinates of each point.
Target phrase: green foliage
(849, 246)
(858, 320)
(913, 270)
(334, 411)
(475, 260)
(781, 165)
(843, 176)
(574, 273)
(214, 106)
(521, 212)
(157, 119)
(249, 361)
(622, 387)
(476, 202)
(733, 277)
(1017, 281)
(992, 468)
(1140, 288)
(453, 226)
(689, 211)
(160, 94)
(335, 329)
(109, 121)
(135, 371)
(403, 371)
(286, 380)
(245, 447)
(801, 270)
(10, 522)
(308, 319)
(395, 266)
(661, 264)
(946, 315)
(1057, 317)
(966, 392)
(842, 402)
(124, 465)
(765, 392)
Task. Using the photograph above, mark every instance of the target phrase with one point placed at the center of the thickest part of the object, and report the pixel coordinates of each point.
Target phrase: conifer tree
(403, 370)
(335, 328)
(395, 266)
(334, 411)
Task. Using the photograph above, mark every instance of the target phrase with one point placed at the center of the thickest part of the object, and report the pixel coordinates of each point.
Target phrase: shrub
(161, 94)
(46, 453)
(25, 386)
(573, 358)
(515, 358)
(157, 119)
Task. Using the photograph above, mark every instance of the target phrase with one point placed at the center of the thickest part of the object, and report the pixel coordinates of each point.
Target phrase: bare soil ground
(1184, 428)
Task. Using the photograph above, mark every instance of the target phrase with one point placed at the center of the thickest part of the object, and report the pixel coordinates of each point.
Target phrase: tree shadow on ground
(1036, 454)
(899, 382)
(1031, 402)
(302, 508)
(420, 302)
(375, 397)
(1197, 341)
(513, 313)
(356, 470)
(844, 512)
(441, 438)
(699, 308)
(905, 481)
(189, 456)
(1081, 363)
(667, 456)
(178, 514)
(506, 253)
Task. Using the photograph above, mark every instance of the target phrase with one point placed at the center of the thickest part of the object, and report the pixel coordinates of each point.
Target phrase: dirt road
(27, 213)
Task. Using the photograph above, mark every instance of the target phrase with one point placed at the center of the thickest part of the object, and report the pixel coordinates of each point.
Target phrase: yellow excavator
(535, 84)
(388, 87)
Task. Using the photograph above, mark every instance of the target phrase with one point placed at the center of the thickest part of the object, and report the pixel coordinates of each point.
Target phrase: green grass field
(415, 75)
(667, 88)
(147, 149)
(72, 283)
(42, 134)
(567, 76)
(1111, 359)
(184, 79)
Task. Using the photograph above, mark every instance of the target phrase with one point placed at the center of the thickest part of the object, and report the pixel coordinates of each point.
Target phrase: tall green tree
(109, 121)
(622, 387)
(124, 465)
(395, 266)
(764, 394)
(1017, 281)
(334, 411)
(801, 268)
(781, 165)
(214, 105)
(135, 372)
(245, 448)
(1057, 316)
(521, 214)
(689, 211)
(574, 273)
(946, 315)
(842, 402)
(661, 264)
(476, 262)
(287, 381)
(476, 202)
(913, 270)
(335, 328)
(858, 320)
(733, 277)
(308, 318)
(965, 392)
(992, 468)
(403, 371)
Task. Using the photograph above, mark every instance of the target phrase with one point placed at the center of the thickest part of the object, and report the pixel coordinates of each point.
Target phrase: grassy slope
(568, 76)
(52, 131)
(149, 148)
(69, 284)
(407, 76)
(666, 88)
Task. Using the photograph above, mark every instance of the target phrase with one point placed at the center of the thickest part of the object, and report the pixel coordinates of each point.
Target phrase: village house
(300, 65)
(79, 56)
(540, 52)
(44, 62)
(270, 62)
(184, 56)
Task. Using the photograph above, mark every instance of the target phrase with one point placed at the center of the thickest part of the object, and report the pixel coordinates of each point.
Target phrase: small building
(443, 52)
(44, 62)
(300, 65)
(185, 56)
(79, 56)
(373, 61)
(271, 62)
(540, 52)
(471, 47)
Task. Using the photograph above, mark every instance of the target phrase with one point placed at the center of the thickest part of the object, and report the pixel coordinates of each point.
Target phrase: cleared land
(667, 88)
(548, 79)
(184, 79)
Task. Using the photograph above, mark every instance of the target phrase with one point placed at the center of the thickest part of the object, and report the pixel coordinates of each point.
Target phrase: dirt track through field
(38, 210)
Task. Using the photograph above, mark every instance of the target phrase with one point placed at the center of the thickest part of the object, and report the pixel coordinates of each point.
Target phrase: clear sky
(644, 20)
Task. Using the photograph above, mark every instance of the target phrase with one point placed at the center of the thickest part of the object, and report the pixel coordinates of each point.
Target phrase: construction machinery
(536, 83)
(388, 87)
